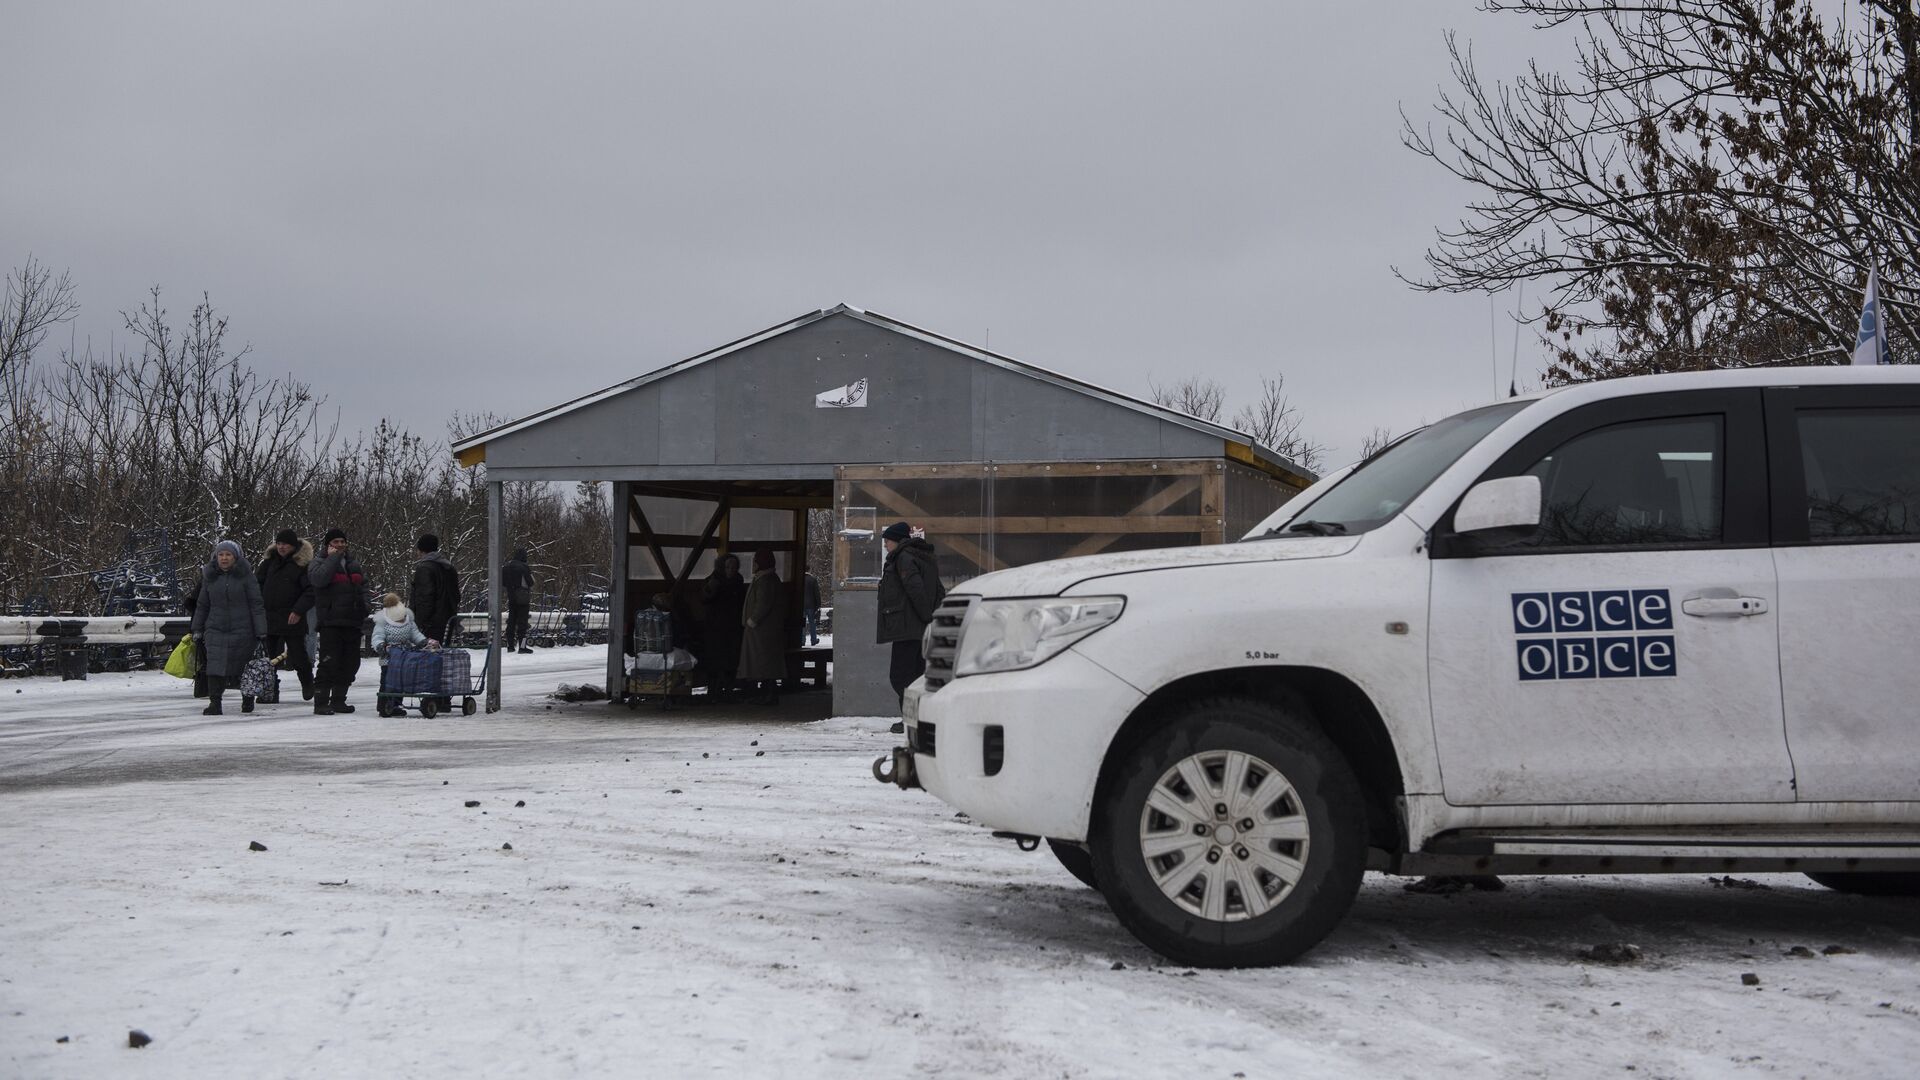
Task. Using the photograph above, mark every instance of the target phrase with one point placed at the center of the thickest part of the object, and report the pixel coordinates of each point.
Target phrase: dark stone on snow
(62, 1038)
(255, 845)
(1838, 950)
(1117, 966)
(522, 802)
(1748, 978)
(1801, 952)
(472, 803)
(506, 847)
(137, 1038)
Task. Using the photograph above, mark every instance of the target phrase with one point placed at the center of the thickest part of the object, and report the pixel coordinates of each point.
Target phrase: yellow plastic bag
(180, 665)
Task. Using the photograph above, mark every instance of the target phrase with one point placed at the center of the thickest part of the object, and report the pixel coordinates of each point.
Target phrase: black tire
(1323, 792)
(1076, 858)
(429, 708)
(1872, 882)
(468, 706)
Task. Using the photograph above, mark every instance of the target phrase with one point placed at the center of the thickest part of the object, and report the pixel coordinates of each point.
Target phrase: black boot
(246, 702)
(340, 700)
(215, 687)
(306, 686)
(322, 701)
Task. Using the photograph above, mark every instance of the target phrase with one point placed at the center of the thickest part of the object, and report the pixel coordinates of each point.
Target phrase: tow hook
(897, 769)
(1027, 843)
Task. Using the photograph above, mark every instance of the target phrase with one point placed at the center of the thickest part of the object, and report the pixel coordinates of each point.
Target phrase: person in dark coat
(725, 592)
(810, 604)
(340, 607)
(229, 621)
(763, 651)
(288, 596)
(909, 591)
(516, 579)
(435, 595)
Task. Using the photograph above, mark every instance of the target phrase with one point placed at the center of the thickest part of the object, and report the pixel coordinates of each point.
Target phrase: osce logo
(1603, 634)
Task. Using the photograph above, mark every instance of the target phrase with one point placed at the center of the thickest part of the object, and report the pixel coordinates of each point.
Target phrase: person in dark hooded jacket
(909, 591)
(516, 579)
(228, 620)
(340, 607)
(288, 595)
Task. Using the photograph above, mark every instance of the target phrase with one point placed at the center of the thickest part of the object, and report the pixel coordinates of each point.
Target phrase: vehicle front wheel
(1234, 836)
(1077, 860)
(1871, 882)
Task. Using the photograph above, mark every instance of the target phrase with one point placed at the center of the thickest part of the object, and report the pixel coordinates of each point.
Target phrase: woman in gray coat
(228, 621)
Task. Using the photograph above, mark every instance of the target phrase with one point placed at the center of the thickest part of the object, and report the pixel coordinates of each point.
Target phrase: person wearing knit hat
(340, 606)
(228, 621)
(288, 597)
(909, 592)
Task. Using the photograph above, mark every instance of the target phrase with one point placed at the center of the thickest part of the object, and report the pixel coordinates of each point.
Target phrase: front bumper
(1055, 723)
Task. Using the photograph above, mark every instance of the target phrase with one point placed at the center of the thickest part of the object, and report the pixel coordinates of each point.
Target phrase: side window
(1644, 483)
(1862, 471)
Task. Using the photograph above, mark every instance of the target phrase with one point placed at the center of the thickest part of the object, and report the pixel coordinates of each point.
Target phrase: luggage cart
(393, 702)
(653, 637)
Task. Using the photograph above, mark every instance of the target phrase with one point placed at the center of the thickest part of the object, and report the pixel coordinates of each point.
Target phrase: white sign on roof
(851, 396)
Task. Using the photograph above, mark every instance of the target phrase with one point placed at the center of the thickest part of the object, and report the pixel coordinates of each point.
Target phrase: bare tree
(1275, 423)
(1707, 187)
(1375, 442)
(1193, 395)
(36, 300)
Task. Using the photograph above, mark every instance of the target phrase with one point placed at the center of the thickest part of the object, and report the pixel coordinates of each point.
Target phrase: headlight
(1008, 635)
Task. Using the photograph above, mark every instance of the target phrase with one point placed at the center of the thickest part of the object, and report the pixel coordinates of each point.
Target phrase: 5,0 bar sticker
(1598, 634)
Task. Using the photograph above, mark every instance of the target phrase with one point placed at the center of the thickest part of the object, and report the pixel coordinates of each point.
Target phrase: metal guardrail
(71, 646)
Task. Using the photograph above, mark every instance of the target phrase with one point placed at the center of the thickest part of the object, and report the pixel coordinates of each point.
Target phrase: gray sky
(504, 206)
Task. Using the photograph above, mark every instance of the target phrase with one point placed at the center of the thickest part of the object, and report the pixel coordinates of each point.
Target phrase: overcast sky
(422, 208)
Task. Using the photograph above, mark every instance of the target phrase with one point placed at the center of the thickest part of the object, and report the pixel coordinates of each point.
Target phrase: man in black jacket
(435, 595)
(909, 592)
(288, 596)
(517, 581)
(340, 607)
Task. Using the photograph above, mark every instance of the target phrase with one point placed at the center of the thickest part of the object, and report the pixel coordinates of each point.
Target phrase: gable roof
(470, 450)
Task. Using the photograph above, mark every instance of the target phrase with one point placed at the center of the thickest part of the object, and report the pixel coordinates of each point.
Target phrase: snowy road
(704, 894)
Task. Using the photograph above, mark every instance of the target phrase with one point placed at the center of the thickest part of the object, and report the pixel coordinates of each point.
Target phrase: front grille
(943, 639)
(921, 738)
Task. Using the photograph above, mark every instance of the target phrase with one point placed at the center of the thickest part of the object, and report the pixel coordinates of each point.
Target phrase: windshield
(1379, 487)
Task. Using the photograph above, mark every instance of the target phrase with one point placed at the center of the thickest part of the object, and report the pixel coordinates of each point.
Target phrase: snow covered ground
(707, 893)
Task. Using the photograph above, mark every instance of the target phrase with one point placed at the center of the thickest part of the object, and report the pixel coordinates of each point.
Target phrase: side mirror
(1503, 509)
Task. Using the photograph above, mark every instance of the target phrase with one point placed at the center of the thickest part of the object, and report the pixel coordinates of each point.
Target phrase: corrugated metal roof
(1113, 397)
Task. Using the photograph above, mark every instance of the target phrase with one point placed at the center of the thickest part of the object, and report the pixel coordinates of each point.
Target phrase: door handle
(1723, 607)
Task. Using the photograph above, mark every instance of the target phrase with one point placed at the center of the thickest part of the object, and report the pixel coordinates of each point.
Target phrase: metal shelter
(1001, 462)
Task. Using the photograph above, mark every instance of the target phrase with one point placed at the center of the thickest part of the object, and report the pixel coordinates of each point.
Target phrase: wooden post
(496, 564)
(617, 600)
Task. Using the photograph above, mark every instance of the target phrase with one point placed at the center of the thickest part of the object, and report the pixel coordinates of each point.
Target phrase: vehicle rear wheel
(429, 708)
(1871, 882)
(1234, 836)
(1076, 858)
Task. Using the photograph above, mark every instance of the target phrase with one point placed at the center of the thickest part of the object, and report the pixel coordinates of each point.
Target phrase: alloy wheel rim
(1224, 835)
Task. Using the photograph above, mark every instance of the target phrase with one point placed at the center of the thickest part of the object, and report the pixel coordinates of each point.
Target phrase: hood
(397, 615)
(519, 555)
(1054, 578)
(302, 555)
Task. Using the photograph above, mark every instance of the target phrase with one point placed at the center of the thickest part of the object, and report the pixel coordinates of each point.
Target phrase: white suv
(1659, 624)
